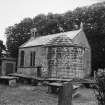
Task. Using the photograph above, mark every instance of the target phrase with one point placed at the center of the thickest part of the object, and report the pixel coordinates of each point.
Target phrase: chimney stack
(34, 32)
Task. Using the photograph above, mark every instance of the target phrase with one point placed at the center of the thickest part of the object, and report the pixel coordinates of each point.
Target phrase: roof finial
(81, 26)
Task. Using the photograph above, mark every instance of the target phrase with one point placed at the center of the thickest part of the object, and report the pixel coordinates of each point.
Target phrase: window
(32, 58)
(22, 58)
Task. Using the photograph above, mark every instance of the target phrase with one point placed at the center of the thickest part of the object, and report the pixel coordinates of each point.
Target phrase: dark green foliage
(17, 35)
(93, 18)
(2, 47)
(100, 88)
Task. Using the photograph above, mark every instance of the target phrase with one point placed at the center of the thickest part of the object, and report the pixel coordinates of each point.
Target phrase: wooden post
(65, 94)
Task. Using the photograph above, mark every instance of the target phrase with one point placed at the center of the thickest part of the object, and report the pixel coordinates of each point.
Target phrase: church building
(61, 55)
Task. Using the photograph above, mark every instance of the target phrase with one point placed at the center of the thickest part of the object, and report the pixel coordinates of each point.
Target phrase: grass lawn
(37, 95)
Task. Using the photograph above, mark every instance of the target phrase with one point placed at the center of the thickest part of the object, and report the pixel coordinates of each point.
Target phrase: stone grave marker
(65, 94)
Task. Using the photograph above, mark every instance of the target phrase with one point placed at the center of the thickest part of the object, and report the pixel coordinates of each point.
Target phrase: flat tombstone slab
(8, 79)
(65, 94)
(54, 87)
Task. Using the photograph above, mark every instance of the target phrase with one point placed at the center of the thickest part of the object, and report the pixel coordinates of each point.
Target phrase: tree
(17, 35)
(99, 88)
(2, 47)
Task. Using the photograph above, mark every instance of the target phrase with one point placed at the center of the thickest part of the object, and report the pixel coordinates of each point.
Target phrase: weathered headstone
(65, 94)
(12, 83)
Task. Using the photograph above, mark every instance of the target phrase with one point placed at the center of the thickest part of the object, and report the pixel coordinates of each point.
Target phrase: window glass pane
(22, 58)
(32, 58)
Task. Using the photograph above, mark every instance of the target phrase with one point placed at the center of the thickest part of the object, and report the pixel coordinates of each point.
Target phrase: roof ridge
(57, 33)
(43, 40)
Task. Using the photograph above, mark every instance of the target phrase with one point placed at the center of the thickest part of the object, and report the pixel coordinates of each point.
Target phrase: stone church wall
(61, 62)
(66, 62)
(40, 61)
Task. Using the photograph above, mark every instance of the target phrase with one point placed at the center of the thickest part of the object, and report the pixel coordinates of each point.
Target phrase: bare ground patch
(37, 95)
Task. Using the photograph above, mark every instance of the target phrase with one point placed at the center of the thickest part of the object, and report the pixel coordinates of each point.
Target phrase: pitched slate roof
(61, 40)
(64, 38)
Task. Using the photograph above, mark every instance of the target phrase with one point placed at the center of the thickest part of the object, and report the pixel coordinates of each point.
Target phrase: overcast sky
(13, 11)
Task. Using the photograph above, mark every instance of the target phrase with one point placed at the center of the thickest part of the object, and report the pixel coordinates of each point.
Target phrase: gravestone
(65, 94)
(12, 83)
(8, 65)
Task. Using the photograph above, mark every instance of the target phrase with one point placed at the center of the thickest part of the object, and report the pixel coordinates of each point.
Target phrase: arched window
(32, 58)
(22, 58)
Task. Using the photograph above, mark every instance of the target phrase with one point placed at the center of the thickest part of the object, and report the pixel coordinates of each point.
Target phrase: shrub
(100, 88)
